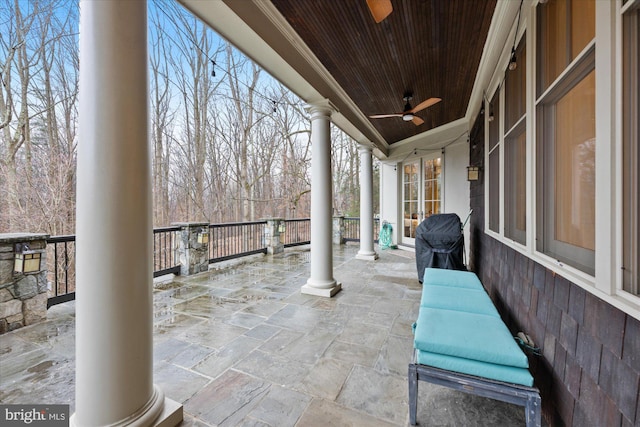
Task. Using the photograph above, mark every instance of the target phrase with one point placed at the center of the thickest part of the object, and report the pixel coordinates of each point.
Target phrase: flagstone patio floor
(241, 346)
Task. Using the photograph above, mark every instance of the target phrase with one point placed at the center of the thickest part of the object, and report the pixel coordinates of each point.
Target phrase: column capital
(365, 149)
(321, 108)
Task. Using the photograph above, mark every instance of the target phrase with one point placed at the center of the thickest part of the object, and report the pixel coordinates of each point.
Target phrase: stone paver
(239, 345)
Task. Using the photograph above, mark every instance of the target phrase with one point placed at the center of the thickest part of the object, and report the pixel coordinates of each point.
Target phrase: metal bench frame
(529, 397)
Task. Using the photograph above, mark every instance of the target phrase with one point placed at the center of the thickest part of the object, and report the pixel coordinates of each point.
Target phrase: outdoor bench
(461, 342)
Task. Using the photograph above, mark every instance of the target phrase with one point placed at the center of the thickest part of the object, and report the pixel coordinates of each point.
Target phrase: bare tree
(38, 72)
(14, 106)
(162, 115)
(293, 124)
(346, 170)
(243, 103)
(229, 143)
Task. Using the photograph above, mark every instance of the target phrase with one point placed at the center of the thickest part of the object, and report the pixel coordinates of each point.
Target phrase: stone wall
(193, 255)
(23, 297)
(338, 230)
(589, 371)
(274, 235)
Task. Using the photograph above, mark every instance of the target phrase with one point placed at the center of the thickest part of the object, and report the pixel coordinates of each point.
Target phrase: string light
(512, 60)
(213, 63)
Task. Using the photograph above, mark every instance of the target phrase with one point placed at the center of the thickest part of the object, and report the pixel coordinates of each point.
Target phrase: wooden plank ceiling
(429, 47)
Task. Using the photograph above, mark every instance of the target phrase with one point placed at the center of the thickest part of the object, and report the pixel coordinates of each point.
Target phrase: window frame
(495, 163)
(546, 243)
(514, 127)
(630, 209)
(510, 189)
(606, 283)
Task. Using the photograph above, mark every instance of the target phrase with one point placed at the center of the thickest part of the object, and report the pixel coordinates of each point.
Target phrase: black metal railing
(236, 239)
(226, 241)
(352, 229)
(297, 232)
(165, 254)
(61, 269)
(61, 262)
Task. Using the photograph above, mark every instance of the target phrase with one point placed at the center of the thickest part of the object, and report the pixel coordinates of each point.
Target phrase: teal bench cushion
(503, 373)
(461, 299)
(456, 278)
(467, 335)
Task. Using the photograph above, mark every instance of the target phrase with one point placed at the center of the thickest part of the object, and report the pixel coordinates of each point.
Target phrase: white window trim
(497, 85)
(607, 282)
(618, 281)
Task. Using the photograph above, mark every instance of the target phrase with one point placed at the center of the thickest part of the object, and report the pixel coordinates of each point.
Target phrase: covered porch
(582, 309)
(240, 345)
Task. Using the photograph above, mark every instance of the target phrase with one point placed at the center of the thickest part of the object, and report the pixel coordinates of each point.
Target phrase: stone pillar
(114, 241)
(274, 235)
(193, 247)
(338, 230)
(23, 296)
(366, 251)
(321, 282)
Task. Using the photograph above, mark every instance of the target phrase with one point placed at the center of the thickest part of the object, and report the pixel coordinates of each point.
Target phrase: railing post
(338, 230)
(23, 294)
(274, 235)
(193, 247)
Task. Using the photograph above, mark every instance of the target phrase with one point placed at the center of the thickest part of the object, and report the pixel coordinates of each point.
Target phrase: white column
(366, 251)
(114, 360)
(321, 282)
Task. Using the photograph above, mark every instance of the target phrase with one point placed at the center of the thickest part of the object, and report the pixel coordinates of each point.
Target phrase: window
(432, 170)
(566, 174)
(515, 95)
(515, 185)
(565, 28)
(410, 182)
(631, 152)
(515, 142)
(566, 134)
(494, 163)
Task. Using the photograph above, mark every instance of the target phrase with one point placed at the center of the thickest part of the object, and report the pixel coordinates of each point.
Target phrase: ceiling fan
(380, 9)
(408, 114)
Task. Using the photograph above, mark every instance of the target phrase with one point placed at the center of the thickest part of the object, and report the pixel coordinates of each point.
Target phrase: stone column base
(367, 256)
(171, 415)
(320, 292)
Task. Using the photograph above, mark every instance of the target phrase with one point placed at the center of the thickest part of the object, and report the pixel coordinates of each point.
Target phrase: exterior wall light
(203, 237)
(473, 173)
(26, 260)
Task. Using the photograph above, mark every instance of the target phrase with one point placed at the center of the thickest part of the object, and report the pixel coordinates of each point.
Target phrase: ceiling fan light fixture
(409, 112)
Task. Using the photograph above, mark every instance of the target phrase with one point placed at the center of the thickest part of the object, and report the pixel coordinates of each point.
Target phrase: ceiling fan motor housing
(406, 116)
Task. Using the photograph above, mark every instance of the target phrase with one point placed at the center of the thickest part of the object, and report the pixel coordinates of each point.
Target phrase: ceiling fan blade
(417, 120)
(380, 9)
(424, 104)
(384, 116)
